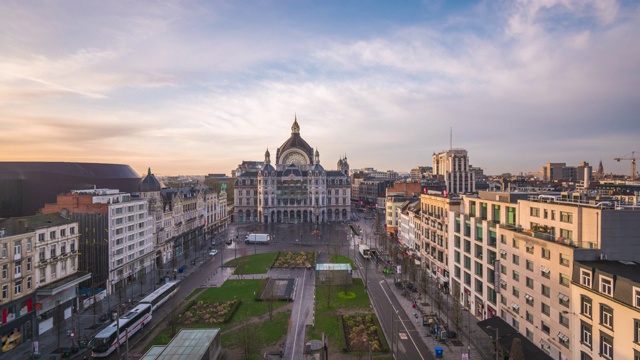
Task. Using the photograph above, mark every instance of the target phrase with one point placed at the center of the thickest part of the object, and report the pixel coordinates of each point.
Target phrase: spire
(267, 157)
(295, 128)
(316, 157)
(149, 171)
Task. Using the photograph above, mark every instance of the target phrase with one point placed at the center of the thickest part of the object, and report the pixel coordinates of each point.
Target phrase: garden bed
(362, 333)
(202, 312)
(295, 259)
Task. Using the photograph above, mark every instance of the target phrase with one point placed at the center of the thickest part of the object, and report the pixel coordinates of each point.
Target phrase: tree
(173, 318)
(141, 277)
(516, 352)
(269, 297)
(250, 340)
(328, 290)
(437, 298)
(457, 309)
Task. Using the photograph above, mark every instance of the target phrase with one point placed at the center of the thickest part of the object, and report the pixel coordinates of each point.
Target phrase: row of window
(565, 216)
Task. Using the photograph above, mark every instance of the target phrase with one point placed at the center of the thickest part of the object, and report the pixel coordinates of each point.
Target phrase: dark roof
(292, 170)
(334, 173)
(506, 334)
(628, 270)
(150, 183)
(25, 224)
(26, 186)
(295, 142)
(268, 167)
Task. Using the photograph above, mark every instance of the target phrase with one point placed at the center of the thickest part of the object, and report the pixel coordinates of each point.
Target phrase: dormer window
(606, 286)
(585, 277)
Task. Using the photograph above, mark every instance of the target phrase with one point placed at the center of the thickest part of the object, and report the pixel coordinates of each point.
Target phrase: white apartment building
(453, 167)
(407, 219)
(513, 257)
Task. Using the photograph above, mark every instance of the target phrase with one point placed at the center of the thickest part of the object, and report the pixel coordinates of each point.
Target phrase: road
(400, 329)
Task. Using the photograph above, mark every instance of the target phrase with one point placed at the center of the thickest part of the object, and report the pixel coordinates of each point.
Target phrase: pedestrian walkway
(481, 345)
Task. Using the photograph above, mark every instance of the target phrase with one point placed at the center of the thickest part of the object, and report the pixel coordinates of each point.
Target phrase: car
(213, 252)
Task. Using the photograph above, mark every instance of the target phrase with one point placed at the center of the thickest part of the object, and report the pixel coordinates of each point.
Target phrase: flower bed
(296, 259)
(360, 332)
(210, 313)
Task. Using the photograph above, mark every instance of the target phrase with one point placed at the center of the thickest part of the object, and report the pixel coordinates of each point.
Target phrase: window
(585, 277)
(566, 217)
(545, 290)
(535, 212)
(529, 265)
(467, 279)
(585, 306)
(479, 287)
(4, 251)
(17, 288)
(516, 259)
(43, 275)
(29, 283)
(467, 263)
(529, 317)
(467, 246)
(606, 346)
(17, 269)
(564, 280)
(5, 271)
(516, 276)
(530, 248)
(545, 328)
(545, 309)
(545, 272)
(29, 264)
(478, 268)
(5, 291)
(606, 316)
(564, 321)
(546, 253)
(515, 291)
(564, 260)
(529, 334)
(72, 230)
(29, 245)
(636, 297)
(63, 232)
(586, 334)
(529, 282)
(53, 251)
(456, 241)
(567, 234)
(606, 286)
(636, 331)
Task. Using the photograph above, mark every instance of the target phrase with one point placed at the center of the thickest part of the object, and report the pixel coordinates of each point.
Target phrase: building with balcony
(530, 242)
(116, 234)
(434, 219)
(39, 275)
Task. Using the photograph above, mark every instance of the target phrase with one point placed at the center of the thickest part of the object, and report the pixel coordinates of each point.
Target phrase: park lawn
(253, 264)
(272, 331)
(341, 259)
(327, 317)
(242, 290)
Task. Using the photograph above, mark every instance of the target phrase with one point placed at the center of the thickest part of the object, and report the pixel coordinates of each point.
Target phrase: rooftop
(187, 345)
(626, 269)
(27, 224)
(333, 267)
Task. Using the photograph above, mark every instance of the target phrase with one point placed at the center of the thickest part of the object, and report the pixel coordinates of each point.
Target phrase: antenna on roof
(451, 138)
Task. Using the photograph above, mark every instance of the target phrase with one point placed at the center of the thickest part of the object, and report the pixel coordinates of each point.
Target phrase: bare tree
(173, 318)
(141, 278)
(269, 297)
(250, 340)
(437, 298)
(328, 290)
(457, 308)
(516, 352)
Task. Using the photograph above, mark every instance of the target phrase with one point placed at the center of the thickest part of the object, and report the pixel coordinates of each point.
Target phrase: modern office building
(297, 189)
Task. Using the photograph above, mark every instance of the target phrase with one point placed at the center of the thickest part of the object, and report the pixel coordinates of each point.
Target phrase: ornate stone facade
(297, 189)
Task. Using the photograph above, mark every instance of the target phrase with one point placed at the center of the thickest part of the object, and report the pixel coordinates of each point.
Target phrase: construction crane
(632, 157)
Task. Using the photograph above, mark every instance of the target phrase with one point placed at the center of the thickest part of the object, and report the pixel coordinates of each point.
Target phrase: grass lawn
(253, 264)
(272, 331)
(341, 259)
(243, 290)
(327, 317)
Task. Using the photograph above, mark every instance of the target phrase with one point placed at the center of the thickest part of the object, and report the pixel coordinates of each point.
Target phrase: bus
(107, 340)
(161, 295)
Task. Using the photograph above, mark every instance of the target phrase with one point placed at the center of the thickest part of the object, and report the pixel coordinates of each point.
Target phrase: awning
(563, 337)
(528, 297)
(503, 252)
(563, 297)
(544, 269)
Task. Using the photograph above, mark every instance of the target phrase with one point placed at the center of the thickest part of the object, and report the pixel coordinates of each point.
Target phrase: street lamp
(497, 344)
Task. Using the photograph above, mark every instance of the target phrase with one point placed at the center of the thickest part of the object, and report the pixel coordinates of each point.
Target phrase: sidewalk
(84, 324)
(481, 343)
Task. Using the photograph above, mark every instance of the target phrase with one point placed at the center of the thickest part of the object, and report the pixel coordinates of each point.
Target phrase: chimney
(2, 232)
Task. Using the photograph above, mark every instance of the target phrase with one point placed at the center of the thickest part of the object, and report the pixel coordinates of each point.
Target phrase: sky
(196, 87)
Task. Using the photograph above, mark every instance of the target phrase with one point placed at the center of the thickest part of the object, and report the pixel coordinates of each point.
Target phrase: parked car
(213, 252)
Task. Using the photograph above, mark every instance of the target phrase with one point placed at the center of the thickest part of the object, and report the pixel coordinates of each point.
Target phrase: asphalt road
(400, 329)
